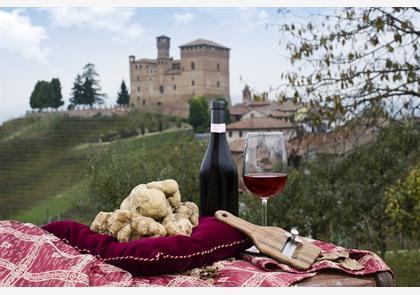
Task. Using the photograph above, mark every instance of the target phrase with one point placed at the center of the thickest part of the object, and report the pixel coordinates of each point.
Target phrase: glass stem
(264, 212)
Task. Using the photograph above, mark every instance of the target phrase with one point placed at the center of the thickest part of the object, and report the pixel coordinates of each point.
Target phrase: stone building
(164, 85)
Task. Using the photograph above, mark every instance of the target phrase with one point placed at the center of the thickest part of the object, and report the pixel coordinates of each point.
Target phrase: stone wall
(165, 85)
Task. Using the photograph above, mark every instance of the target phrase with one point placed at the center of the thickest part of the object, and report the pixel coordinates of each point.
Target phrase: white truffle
(146, 227)
(118, 220)
(168, 186)
(175, 200)
(100, 223)
(148, 202)
(177, 224)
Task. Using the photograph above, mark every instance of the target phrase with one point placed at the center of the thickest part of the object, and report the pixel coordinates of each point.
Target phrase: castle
(165, 85)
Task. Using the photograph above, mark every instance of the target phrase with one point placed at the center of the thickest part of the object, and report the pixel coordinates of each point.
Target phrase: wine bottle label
(218, 128)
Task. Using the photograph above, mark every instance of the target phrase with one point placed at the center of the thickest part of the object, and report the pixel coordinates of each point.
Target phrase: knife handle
(244, 226)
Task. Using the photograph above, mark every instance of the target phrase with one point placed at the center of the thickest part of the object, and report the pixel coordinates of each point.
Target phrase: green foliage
(43, 157)
(123, 95)
(42, 96)
(56, 86)
(405, 265)
(88, 92)
(86, 88)
(35, 101)
(342, 199)
(91, 86)
(77, 91)
(353, 59)
(116, 171)
(199, 115)
(403, 204)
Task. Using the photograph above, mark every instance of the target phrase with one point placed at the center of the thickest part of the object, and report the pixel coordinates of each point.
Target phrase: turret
(163, 43)
(131, 58)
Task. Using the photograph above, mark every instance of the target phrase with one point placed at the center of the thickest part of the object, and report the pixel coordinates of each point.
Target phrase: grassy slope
(43, 160)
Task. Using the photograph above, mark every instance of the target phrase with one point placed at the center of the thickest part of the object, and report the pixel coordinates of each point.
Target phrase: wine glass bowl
(265, 166)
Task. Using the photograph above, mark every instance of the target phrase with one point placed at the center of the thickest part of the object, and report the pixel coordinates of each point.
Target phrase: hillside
(44, 159)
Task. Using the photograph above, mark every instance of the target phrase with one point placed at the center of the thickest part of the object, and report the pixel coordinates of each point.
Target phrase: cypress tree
(123, 95)
(56, 86)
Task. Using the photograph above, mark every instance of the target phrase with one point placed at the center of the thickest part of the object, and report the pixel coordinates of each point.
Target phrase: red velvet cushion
(210, 241)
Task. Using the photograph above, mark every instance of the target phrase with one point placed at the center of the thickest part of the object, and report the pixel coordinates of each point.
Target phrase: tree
(123, 95)
(403, 204)
(56, 86)
(77, 91)
(42, 96)
(94, 96)
(199, 115)
(353, 59)
(88, 92)
(342, 199)
(34, 100)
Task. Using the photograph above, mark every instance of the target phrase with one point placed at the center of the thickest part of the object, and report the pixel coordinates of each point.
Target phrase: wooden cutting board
(273, 241)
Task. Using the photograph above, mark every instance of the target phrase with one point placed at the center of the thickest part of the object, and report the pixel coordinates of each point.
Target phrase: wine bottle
(218, 174)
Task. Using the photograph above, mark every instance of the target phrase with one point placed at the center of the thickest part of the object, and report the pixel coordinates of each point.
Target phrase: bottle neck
(217, 127)
(218, 121)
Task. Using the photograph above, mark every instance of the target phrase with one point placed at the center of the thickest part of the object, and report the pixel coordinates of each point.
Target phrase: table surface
(337, 279)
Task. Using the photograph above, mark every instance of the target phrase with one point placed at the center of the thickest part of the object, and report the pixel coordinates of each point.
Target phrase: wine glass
(265, 166)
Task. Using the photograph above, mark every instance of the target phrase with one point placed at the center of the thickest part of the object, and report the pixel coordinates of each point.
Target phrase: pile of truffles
(151, 210)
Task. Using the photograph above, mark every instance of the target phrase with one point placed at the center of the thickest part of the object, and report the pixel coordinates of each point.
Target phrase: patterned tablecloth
(30, 256)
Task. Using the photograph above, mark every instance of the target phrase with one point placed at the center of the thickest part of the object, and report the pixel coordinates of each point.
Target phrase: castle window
(218, 67)
(161, 89)
(192, 82)
(138, 88)
(139, 66)
(172, 78)
(230, 133)
(218, 84)
(138, 78)
(174, 87)
(192, 66)
(159, 103)
(144, 101)
(136, 67)
(240, 133)
(138, 97)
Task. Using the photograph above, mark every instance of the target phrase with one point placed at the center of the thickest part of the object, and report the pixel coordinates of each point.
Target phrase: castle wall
(165, 85)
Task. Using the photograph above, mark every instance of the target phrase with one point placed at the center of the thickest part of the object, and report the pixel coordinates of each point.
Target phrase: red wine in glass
(265, 166)
(265, 185)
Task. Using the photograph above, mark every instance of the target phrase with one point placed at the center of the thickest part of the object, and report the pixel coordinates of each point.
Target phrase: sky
(45, 43)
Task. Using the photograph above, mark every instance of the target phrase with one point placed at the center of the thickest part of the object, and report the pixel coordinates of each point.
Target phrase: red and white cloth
(30, 256)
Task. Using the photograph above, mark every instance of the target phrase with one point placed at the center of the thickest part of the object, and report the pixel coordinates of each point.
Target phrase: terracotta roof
(269, 108)
(289, 106)
(237, 145)
(260, 104)
(203, 42)
(238, 109)
(148, 60)
(270, 111)
(259, 123)
(340, 141)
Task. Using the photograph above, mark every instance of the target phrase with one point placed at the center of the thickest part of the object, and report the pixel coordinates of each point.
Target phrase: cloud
(118, 22)
(19, 35)
(182, 19)
(247, 19)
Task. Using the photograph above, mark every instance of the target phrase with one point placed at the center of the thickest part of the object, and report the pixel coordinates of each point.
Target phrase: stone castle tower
(164, 85)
